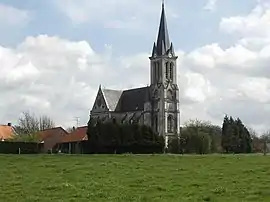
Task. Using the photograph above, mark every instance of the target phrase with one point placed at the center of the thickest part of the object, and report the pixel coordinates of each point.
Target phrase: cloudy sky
(55, 53)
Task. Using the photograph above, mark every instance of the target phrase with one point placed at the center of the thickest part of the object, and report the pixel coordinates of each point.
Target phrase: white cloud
(257, 89)
(256, 24)
(120, 14)
(240, 73)
(198, 88)
(210, 5)
(12, 16)
(49, 75)
(61, 77)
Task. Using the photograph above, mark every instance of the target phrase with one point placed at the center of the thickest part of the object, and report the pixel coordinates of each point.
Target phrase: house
(50, 138)
(73, 142)
(6, 132)
(156, 105)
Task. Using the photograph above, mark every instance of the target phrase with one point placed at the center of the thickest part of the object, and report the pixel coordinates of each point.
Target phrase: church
(156, 105)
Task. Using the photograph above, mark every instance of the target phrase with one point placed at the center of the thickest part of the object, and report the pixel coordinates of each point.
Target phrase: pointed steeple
(163, 40)
(154, 50)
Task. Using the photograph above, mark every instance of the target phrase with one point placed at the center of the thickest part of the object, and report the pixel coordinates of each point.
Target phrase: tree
(265, 139)
(257, 142)
(26, 138)
(128, 137)
(92, 134)
(248, 141)
(235, 136)
(29, 126)
(45, 122)
(225, 140)
(29, 123)
(197, 137)
(209, 134)
(266, 136)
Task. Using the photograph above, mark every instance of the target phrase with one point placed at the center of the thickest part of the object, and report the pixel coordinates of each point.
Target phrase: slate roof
(112, 97)
(127, 100)
(133, 99)
(163, 41)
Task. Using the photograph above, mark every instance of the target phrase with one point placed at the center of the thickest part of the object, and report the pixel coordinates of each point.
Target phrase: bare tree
(30, 124)
(252, 132)
(266, 139)
(197, 123)
(257, 141)
(266, 136)
(27, 123)
(45, 122)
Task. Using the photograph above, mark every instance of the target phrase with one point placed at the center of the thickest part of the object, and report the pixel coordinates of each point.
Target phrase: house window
(170, 124)
(171, 71)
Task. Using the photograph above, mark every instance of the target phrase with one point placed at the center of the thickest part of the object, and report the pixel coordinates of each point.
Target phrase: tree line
(203, 137)
(112, 137)
(235, 136)
(196, 136)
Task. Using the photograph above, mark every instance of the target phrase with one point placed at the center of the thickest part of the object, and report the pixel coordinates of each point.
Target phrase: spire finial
(163, 41)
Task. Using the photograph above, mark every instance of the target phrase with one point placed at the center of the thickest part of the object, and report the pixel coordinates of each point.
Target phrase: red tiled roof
(6, 132)
(42, 135)
(79, 134)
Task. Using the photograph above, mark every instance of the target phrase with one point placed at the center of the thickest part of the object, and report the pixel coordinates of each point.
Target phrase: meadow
(124, 178)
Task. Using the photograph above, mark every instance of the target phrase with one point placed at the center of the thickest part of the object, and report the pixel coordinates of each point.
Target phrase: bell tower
(164, 88)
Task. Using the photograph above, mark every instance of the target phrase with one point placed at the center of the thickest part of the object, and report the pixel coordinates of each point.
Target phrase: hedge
(22, 147)
(121, 149)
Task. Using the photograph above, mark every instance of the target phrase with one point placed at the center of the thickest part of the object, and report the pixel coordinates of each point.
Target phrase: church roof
(163, 45)
(163, 41)
(112, 97)
(133, 99)
(127, 100)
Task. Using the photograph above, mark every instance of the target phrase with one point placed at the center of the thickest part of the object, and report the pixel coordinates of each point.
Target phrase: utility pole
(77, 121)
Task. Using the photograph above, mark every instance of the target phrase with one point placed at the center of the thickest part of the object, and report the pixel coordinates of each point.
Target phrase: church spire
(163, 42)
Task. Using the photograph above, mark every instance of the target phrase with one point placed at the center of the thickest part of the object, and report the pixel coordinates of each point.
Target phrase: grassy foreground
(134, 178)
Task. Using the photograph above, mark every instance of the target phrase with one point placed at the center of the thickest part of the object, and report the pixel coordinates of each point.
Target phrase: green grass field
(134, 178)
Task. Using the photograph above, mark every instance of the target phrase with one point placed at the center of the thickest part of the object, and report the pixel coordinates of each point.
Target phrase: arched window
(171, 71)
(167, 70)
(155, 72)
(156, 123)
(158, 71)
(169, 94)
(170, 124)
(155, 94)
